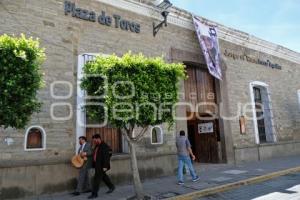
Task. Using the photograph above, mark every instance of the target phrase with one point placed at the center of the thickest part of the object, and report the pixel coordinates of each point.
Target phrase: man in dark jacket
(101, 163)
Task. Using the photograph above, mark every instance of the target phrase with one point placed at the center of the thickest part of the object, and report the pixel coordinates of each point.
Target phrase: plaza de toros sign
(116, 20)
(250, 59)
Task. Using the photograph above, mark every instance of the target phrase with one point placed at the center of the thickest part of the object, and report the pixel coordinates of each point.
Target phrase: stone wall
(65, 37)
(283, 86)
(32, 180)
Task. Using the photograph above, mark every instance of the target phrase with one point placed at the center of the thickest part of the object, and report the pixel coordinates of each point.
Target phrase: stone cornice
(182, 18)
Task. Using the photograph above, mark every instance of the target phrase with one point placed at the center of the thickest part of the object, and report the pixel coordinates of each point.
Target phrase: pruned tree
(132, 93)
(20, 79)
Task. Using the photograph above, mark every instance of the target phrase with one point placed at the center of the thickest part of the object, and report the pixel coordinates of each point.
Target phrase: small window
(156, 135)
(35, 138)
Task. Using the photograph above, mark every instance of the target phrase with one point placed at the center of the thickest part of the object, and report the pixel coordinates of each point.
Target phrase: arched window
(156, 135)
(35, 139)
(262, 113)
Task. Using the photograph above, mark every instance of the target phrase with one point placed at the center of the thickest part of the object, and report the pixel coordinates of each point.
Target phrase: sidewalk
(211, 175)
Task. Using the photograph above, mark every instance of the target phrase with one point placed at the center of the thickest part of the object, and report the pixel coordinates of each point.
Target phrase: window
(35, 138)
(262, 113)
(156, 135)
(257, 94)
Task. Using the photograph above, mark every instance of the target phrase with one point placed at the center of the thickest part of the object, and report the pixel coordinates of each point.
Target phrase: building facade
(256, 103)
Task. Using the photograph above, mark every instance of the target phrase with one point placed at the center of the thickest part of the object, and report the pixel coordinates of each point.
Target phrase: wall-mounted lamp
(163, 6)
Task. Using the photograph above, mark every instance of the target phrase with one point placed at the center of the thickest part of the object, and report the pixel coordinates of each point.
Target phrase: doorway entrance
(204, 137)
(203, 124)
(87, 127)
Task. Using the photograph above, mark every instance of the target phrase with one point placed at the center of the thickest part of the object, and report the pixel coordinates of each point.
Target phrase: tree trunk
(135, 172)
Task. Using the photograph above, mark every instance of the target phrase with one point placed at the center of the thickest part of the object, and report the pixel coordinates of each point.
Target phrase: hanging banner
(208, 40)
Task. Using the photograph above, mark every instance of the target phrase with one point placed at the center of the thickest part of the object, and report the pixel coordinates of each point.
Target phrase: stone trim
(183, 18)
(178, 55)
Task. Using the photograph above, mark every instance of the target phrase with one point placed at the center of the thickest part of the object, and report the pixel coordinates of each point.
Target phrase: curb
(230, 186)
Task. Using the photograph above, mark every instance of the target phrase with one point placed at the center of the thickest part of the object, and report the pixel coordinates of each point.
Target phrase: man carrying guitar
(85, 151)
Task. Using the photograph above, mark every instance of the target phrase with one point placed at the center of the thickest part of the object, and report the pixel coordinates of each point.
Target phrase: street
(211, 176)
(282, 188)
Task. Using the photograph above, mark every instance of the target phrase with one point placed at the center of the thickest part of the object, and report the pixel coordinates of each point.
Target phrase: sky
(277, 21)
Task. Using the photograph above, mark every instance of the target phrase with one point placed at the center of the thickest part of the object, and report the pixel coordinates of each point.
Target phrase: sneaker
(180, 182)
(196, 179)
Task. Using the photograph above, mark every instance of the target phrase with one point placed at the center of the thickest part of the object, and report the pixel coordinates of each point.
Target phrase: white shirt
(82, 147)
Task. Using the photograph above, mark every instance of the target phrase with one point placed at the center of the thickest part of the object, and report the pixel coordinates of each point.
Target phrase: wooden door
(207, 142)
(110, 136)
(204, 145)
(200, 89)
(191, 136)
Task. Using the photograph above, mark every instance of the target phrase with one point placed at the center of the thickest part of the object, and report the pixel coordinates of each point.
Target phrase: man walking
(184, 152)
(101, 162)
(85, 151)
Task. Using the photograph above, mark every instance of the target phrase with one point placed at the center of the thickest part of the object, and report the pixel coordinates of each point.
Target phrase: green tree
(20, 78)
(137, 92)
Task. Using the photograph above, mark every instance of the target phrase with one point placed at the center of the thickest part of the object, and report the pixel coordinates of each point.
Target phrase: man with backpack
(184, 152)
(101, 163)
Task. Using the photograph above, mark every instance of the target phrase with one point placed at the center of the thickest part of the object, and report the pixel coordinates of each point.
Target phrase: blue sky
(276, 21)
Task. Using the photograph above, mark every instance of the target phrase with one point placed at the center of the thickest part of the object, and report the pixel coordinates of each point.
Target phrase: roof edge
(183, 18)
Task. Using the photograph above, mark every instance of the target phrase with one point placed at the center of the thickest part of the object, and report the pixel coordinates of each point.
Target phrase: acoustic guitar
(78, 160)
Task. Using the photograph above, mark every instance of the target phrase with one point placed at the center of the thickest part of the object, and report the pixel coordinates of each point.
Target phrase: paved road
(282, 188)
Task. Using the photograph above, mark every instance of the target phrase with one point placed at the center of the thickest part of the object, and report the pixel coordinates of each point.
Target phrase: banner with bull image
(208, 40)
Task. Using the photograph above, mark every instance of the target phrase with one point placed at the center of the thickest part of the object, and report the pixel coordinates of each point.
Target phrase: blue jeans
(185, 160)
